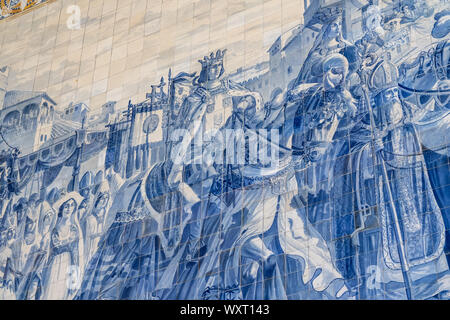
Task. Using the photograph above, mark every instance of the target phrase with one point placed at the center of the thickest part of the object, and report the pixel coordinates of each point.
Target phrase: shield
(165, 207)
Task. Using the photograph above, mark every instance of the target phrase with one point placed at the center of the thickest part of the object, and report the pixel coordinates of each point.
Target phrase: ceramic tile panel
(239, 149)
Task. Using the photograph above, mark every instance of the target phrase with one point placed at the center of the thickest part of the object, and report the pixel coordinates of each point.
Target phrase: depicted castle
(289, 51)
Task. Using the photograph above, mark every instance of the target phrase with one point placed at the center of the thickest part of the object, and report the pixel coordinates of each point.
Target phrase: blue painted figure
(338, 187)
(66, 249)
(32, 287)
(207, 108)
(271, 227)
(394, 195)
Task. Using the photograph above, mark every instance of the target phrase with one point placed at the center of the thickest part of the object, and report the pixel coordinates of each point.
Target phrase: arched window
(31, 110)
(30, 115)
(86, 182)
(44, 113)
(52, 113)
(12, 120)
(99, 177)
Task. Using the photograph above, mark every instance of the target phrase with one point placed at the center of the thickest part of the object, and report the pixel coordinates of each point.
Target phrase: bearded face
(390, 107)
(390, 95)
(246, 106)
(214, 71)
(373, 24)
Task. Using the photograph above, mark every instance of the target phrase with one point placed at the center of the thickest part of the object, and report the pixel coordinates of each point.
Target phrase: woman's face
(247, 107)
(12, 219)
(334, 30)
(407, 12)
(21, 210)
(85, 192)
(30, 227)
(68, 208)
(29, 238)
(3, 239)
(103, 201)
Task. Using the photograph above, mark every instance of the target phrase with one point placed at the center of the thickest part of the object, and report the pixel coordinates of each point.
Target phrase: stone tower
(4, 71)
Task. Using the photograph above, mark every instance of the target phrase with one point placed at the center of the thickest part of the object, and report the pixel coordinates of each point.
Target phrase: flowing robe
(129, 253)
(152, 215)
(261, 207)
(201, 119)
(7, 291)
(64, 255)
(420, 219)
(34, 270)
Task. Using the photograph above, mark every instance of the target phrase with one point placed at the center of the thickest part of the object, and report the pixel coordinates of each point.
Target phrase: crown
(384, 76)
(326, 15)
(213, 58)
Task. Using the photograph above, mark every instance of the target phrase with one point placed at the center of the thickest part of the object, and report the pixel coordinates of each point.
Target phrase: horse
(425, 86)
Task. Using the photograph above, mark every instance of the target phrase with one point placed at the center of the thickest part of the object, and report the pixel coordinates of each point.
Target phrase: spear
(397, 229)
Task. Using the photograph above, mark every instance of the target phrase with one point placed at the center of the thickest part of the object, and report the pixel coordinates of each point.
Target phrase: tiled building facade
(240, 149)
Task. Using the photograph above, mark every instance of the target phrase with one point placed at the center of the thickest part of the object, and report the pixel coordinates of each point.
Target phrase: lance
(167, 112)
(397, 229)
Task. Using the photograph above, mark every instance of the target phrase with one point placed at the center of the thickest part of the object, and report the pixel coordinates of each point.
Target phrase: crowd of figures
(44, 243)
(354, 207)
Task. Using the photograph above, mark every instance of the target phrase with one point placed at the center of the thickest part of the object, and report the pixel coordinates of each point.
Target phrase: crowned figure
(328, 41)
(157, 209)
(265, 236)
(189, 169)
(373, 31)
(201, 116)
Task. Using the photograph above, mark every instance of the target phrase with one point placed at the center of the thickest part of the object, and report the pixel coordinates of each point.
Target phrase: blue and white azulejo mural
(324, 175)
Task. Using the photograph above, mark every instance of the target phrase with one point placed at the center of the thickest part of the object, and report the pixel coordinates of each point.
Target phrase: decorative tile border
(134, 162)
(14, 8)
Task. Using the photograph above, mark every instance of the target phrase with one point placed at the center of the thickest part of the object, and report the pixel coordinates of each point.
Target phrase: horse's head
(425, 81)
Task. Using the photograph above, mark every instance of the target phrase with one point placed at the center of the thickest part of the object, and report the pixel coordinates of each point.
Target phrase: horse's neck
(426, 69)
